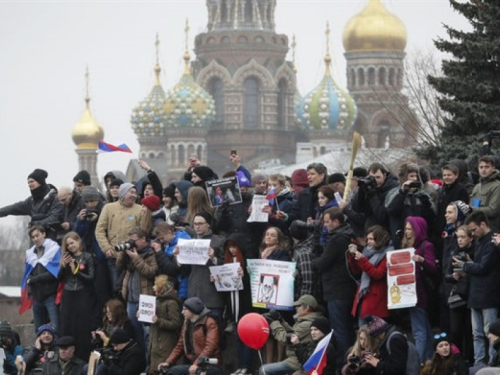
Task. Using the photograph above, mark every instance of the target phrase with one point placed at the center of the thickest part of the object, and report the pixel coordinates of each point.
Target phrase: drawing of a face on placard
(268, 289)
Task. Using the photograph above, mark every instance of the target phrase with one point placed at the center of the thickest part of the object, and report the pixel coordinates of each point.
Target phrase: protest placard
(193, 251)
(226, 277)
(147, 308)
(272, 283)
(258, 203)
(402, 289)
(224, 190)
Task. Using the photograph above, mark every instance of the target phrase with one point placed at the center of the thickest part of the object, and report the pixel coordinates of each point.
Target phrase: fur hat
(119, 336)
(124, 188)
(405, 169)
(152, 202)
(195, 305)
(376, 325)
(299, 178)
(39, 175)
(83, 177)
(322, 324)
(463, 210)
(90, 193)
(5, 329)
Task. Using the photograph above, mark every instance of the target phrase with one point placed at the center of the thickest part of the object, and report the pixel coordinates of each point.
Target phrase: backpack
(412, 359)
(222, 333)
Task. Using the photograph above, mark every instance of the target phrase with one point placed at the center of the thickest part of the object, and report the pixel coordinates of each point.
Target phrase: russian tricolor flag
(108, 147)
(50, 260)
(271, 194)
(317, 361)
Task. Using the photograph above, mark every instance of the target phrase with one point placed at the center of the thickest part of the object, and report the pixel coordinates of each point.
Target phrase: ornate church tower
(374, 42)
(86, 135)
(241, 63)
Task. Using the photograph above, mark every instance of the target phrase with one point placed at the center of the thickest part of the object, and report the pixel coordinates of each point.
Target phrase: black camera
(89, 214)
(108, 355)
(368, 182)
(415, 184)
(96, 340)
(461, 256)
(127, 245)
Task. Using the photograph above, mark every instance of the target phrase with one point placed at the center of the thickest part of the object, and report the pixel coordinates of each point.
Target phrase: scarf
(374, 256)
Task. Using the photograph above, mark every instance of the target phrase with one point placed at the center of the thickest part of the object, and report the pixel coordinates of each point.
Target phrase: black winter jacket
(130, 361)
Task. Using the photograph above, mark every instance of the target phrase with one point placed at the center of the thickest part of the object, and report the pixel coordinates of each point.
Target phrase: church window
(251, 111)
(371, 76)
(182, 155)
(282, 89)
(361, 76)
(216, 89)
(381, 76)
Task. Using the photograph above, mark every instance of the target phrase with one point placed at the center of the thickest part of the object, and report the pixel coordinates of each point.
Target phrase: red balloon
(253, 330)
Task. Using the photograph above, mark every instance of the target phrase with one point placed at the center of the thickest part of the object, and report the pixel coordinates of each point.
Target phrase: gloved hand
(272, 315)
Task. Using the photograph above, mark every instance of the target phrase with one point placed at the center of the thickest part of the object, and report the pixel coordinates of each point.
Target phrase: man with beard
(44, 349)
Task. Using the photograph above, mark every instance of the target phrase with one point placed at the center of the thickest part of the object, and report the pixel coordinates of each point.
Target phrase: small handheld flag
(108, 147)
(317, 360)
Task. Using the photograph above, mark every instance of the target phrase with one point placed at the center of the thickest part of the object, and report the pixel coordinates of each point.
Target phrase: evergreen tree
(470, 85)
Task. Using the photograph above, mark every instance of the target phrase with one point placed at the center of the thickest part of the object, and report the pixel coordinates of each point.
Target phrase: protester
(11, 348)
(65, 362)
(445, 361)
(43, 350)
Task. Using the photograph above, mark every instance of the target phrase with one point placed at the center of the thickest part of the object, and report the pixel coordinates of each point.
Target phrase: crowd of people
(94, 254)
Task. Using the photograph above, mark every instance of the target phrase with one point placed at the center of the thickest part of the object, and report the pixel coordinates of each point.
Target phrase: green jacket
(488, 192)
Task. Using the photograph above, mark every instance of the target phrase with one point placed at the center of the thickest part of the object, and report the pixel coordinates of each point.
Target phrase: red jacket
(375, 301)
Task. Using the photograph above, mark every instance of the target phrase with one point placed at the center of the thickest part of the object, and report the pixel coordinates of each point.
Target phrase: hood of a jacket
(390, 183)
(419, 226)
(183, 187)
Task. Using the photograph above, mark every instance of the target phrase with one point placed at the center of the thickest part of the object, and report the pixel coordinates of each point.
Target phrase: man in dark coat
(65, 361)
(304, 207)
(128, 356)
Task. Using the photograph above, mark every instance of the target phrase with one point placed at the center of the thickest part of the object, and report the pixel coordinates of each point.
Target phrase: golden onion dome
(87, 132)
(374, 29)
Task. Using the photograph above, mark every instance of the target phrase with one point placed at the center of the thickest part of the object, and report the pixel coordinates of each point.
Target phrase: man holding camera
(299, 333)
(370, 198)
(408, 199)
(126, 357)
(114, 223)
(138, 260)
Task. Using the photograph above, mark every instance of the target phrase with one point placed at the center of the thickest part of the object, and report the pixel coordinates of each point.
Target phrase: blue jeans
(46, 312)
(278, 368)
(481, 319)
(339, 314)
(184, 370)
(132, 308)
(422, 333)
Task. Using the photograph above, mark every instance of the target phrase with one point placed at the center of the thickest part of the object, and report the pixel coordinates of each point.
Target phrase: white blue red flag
(271, 194)
(50, 260)
(317, 360)
(108, 147)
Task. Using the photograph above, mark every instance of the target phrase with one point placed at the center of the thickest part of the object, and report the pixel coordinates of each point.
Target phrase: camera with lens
(461, 256)
(415, 185)
(127, 245)
(367, 182)
(108, 355)
(89, 214)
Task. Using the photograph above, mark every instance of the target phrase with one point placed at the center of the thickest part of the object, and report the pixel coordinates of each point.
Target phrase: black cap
(82, 177)
(39, 175)
(65, 341)
(119, 336)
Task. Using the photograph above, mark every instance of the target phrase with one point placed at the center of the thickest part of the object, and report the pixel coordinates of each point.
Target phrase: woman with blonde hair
(197, 201)
(78, 299)
(364, 344)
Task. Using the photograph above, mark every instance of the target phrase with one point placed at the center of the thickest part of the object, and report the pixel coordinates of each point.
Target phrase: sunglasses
(441, 335)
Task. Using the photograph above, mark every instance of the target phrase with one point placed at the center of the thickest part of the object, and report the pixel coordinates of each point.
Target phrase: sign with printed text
(272, 283)
(258, 203)
(401, 284)
(224, 190)
(147, 308)
(193, 251)
(226, 277)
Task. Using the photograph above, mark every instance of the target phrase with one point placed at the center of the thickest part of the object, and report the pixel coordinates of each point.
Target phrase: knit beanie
(195, 305)
(5, 329)
(124, 188)
(376, 325)
(116, 182)
(45, 328)
(322, 324)
(204, 214)
(242, 179)
(90, 193)
(463, 210)
(169, 191)
(39, 175)
(299, 178)
(152, 202)
(205, 173)
(119, 336)
(439, 338)
(495, 328)
(336, 177)
(82, 177)
(359, 172)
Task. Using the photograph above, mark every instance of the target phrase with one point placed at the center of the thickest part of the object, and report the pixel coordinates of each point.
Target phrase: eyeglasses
(199, 224)
(441, 335)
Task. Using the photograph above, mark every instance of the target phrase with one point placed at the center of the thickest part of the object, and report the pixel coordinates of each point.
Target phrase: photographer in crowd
(300, 333)
(126, 358)
(137, 259)
(44, 349)
(65, 362)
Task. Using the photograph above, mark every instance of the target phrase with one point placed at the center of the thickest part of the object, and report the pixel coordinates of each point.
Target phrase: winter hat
(45, 328)
(359, 172)
(336, 177)
(376, 325)
(195, 305)
(205, 173)
(299, 178)
(82, 177)
(322, 324)
(463, 210)
(90, 193)
(169, 191)
(124, 188)
(152, 202)
(204, 214)
(243, 181)
(438, 338)
(5, 329)
(495, 328)
(298, 229)
(39, 175)
(119, 336)
(405, 169)
(65, 341)
(174, 219)
(116, 182)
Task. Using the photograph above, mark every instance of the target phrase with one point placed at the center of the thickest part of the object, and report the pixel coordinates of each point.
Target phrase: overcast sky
(45, 46)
